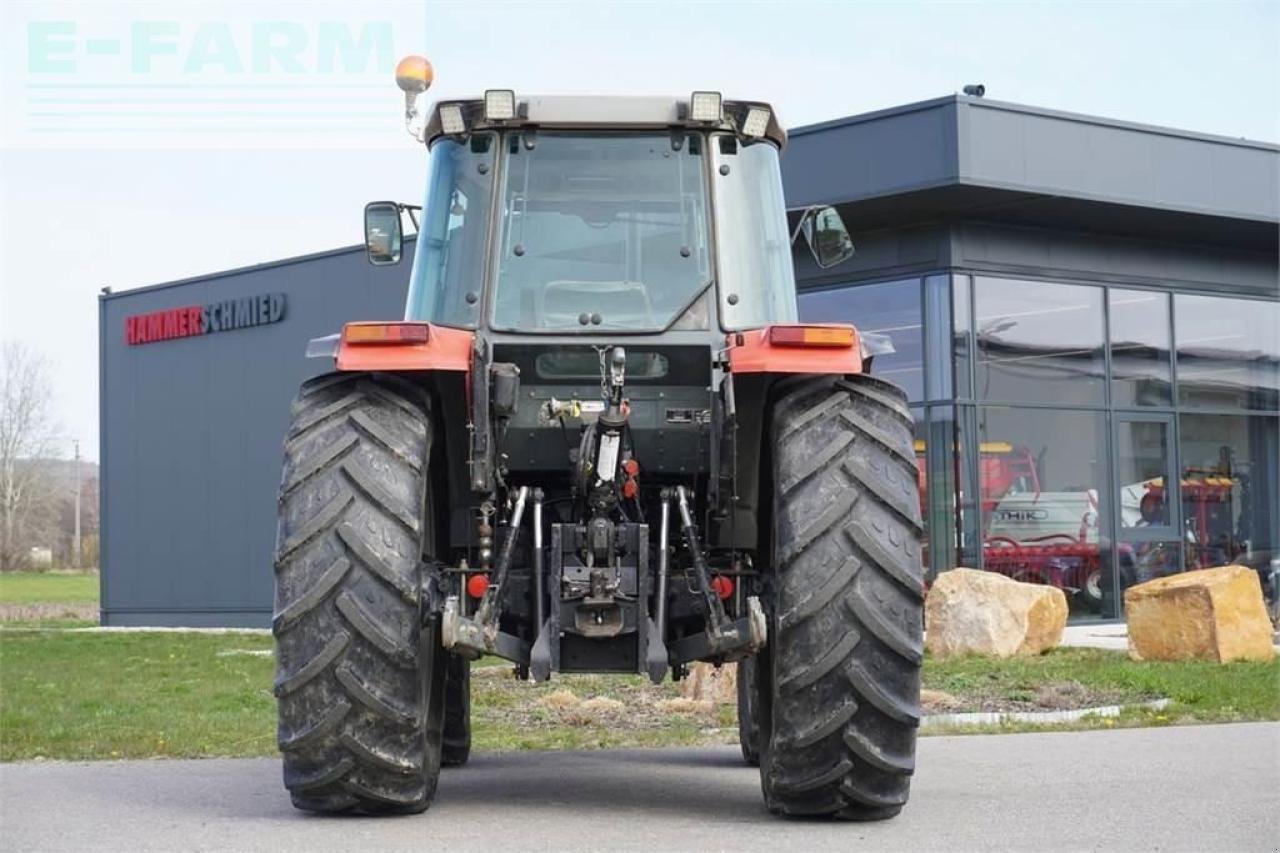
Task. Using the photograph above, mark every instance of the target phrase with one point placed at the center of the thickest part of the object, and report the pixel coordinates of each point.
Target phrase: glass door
(1148, 503)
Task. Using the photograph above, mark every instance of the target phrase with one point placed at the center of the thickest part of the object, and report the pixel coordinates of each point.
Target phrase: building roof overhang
(958, 158)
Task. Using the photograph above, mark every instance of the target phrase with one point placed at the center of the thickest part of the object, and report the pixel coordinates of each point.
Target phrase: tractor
(599, 441)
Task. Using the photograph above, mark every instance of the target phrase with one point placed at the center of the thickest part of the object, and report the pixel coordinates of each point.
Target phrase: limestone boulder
(971, 612)
(707, 682)
(1209, 614)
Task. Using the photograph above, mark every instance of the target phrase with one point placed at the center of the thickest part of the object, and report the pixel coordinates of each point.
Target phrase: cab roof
(603, 112)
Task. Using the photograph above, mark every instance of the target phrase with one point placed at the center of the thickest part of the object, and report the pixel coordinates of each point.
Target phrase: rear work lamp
(451, 121)
(706, 106)
(812, 336)
(499, 105)
(371, 334)
(756, 122)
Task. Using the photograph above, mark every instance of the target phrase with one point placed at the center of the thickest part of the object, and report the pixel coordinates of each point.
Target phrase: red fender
(401, 346)
(824, 348)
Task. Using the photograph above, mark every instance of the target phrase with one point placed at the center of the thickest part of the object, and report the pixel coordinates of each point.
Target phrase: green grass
(1198, 692)
(107, 695)
(87, 695)
(49, 588)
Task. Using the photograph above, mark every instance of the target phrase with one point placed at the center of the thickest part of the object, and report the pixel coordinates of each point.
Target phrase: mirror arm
(808, 212)
(413, 210)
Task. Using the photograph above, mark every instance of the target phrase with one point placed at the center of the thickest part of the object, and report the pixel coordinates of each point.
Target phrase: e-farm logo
(174, 72)
(288, 47)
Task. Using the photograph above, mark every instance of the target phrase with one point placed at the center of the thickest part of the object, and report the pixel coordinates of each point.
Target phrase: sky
(146, 142)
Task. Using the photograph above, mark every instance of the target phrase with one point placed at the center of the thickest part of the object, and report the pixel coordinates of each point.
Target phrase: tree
(27, 433)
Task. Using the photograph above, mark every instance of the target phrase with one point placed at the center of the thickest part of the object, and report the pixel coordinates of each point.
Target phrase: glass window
(757, 280)
(962, 342)
(1229, 489)
(936, 463)
(1040, 480)
(448, 267)
(1142, 470)
(969, 522)
(1140, 371)
(922, 479)
(1228, 352)
(888, 315)
(1038, 341)
(601, 231)
(938, 342)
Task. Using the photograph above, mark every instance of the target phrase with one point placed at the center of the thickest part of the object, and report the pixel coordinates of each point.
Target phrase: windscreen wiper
(689, 303)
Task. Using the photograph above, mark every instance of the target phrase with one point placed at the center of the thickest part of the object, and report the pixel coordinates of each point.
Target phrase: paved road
(1195, 788)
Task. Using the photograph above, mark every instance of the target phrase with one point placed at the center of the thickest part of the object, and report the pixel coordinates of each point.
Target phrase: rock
(1210, 614)
(707, 681)
(984, 613)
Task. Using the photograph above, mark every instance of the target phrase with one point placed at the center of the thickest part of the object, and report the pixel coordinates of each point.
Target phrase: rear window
(585, 364)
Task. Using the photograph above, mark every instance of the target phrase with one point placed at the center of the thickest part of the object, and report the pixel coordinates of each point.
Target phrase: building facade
(196, 377)
(1085, 314)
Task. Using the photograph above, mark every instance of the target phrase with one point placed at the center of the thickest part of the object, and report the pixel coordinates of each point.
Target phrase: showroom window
(1229, 488)
(1063, 453)
(1038, 342)
(1141, 372)
(1228, 352)
(889, 314)
(936, 471)
(1041, 482)
(962, 336)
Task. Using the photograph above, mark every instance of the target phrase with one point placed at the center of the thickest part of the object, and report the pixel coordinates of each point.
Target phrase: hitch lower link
(473, 637)
(722, 638)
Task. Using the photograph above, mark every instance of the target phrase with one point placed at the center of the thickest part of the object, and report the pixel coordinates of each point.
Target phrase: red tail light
(363, 334)
(812, 336)
(722, 585)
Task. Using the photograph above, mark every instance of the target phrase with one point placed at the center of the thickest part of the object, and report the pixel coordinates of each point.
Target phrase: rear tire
(360, 683)
(457, 712)
(839, 682)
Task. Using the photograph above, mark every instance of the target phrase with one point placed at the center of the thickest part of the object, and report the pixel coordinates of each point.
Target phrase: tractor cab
(590, 217)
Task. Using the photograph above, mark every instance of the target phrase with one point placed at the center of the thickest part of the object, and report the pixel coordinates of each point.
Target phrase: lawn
(82, 695)
(49, 587)
(49, 599)
(1198, 692)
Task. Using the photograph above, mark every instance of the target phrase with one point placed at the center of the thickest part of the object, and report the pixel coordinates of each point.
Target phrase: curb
(986, 718)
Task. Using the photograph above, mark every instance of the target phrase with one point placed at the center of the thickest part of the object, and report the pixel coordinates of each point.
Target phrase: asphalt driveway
(1188, 788)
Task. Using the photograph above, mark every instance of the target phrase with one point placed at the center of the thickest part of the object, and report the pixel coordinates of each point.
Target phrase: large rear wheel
(360, 682)
(839, 682)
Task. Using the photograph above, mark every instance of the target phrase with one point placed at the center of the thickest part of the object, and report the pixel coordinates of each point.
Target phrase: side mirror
(382, 232)
(827, 237)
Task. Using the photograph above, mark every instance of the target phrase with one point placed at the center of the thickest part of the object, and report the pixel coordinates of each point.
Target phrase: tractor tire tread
(350, 644)
(845, 646)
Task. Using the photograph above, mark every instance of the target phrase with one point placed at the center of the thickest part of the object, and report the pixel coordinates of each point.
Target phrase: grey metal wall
(1042, 252)
(191, 430)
